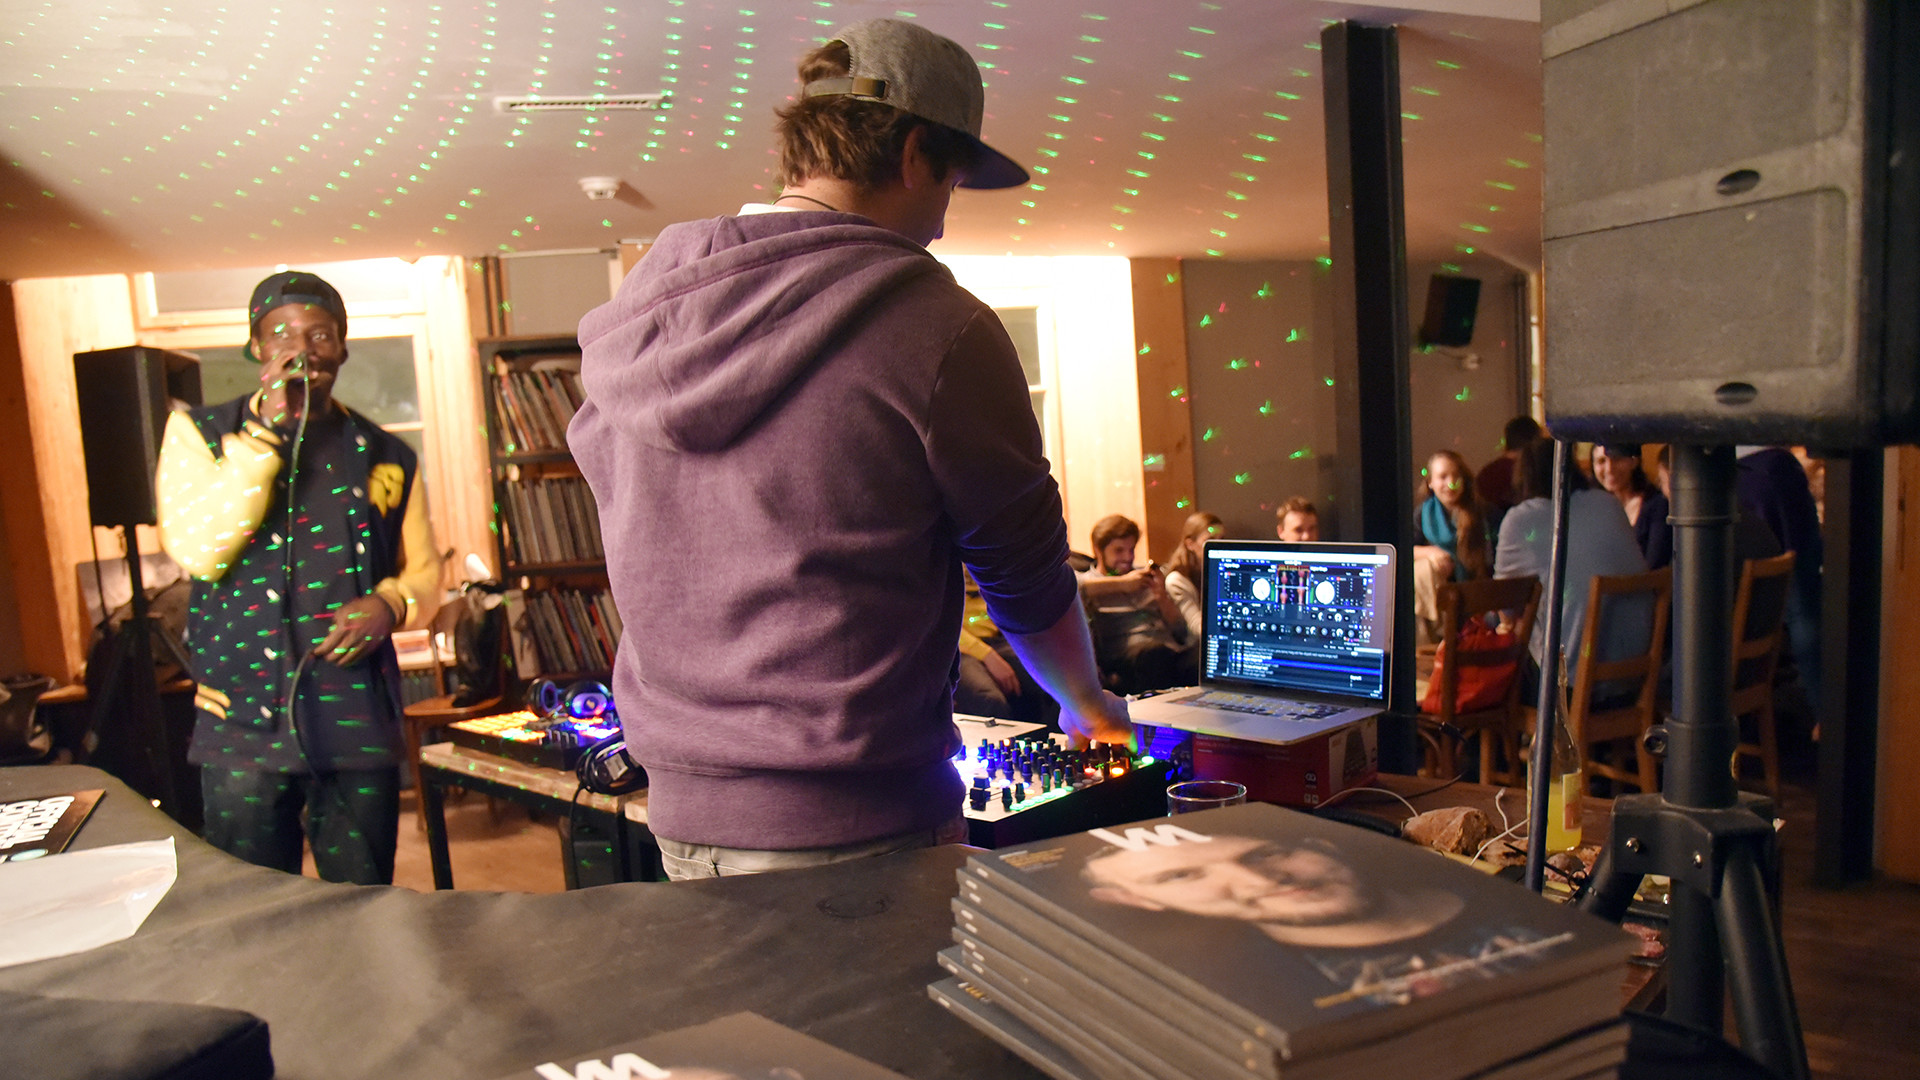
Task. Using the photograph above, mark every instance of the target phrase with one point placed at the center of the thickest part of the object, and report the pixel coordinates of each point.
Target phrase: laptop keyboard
(1264, 706)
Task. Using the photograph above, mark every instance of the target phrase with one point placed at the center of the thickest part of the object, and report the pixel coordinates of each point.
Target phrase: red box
(1304, 773)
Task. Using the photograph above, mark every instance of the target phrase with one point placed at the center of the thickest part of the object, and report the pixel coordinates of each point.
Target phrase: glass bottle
(1565, 783)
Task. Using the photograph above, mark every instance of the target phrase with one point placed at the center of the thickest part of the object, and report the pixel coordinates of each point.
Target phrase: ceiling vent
(583, 103)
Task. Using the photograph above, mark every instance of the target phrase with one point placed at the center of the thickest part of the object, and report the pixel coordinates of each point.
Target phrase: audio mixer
(555, 741)
(1024, 784)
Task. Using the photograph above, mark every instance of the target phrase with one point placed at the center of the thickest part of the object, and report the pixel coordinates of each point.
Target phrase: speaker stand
(1715, 843)
(131, 692)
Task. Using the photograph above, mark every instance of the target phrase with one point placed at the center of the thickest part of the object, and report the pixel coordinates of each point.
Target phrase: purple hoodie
(797, 427)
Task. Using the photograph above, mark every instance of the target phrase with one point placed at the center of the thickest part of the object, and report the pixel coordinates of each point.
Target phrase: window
(378, 381)
(1023, 326)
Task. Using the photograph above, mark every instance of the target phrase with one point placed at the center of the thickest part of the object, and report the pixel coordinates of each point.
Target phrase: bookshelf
(546, 526)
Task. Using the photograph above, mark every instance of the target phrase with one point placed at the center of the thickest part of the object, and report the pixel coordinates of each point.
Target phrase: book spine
(970, 1004)
(1102, 1059)
(1171, 1033)
(1006, 924)
(1106, 1017)
(990, 879)
(613, 618)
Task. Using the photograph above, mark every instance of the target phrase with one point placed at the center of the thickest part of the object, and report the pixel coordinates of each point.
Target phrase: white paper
(69, 903)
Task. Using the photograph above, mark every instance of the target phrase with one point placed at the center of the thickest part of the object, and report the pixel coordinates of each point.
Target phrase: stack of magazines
(1256, 943)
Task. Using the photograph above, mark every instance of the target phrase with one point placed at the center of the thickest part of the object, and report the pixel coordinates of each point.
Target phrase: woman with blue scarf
(1450, 537)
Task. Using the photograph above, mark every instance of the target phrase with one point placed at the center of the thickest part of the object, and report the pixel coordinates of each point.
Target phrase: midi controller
(1024, 783)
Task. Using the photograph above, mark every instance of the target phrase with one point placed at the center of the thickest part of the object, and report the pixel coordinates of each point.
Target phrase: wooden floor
(1854, 955)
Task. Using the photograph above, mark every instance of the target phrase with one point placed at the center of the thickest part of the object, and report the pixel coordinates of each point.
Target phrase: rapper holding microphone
(304, 526)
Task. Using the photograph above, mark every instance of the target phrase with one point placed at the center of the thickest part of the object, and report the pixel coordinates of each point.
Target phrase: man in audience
(297, 727)
(809, 384)
(1139, 634)
(1494, 483)
(1772, 486)
(1299, 520)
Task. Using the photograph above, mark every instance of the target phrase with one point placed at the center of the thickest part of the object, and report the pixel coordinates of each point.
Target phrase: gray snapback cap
(917, 71)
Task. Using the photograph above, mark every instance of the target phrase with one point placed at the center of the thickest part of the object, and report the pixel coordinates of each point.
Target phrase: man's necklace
(812, 200)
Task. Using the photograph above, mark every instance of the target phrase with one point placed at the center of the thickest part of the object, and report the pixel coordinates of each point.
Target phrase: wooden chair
(439, 710)
(1635, 678)
(1759, 613)
(1501, 727)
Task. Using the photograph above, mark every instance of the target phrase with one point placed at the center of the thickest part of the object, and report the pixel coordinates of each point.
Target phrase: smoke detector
(600, 187)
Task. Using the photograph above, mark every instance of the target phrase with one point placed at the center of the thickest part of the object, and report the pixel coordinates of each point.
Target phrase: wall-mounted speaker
(1452, 303)
(125, 395)
(1732, 222)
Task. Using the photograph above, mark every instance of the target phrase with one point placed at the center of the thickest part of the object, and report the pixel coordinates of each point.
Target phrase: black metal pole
(1360, 73)
(1540, 768)
(1700, 736)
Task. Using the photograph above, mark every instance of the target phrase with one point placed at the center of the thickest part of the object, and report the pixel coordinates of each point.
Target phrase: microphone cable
(290, 617)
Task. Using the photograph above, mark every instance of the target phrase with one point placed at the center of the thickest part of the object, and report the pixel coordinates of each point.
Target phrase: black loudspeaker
(1452, 303)
(125, 395)
(1732, 221)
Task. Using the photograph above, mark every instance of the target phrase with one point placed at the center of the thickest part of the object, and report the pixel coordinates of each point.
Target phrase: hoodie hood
(735, 311)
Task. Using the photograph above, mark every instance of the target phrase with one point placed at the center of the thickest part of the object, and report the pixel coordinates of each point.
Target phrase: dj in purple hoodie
(798, 427)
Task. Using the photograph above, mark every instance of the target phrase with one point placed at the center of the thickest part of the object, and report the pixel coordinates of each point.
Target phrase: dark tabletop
(359, 981)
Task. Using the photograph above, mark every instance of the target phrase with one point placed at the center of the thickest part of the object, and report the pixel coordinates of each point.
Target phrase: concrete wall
(1259, 367)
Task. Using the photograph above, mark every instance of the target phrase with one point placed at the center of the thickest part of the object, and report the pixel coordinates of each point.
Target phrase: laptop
(1296, 641)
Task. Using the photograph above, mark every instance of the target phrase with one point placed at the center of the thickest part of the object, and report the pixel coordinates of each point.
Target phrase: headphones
(604, 768)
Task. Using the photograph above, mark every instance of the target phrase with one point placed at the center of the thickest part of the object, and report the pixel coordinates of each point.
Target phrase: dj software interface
(1304, 622)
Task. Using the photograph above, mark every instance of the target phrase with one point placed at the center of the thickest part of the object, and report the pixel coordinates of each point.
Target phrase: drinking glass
(1190, 795)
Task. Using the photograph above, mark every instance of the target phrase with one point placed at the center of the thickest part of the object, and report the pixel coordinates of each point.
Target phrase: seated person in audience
(1599, 542)
(1494, 483)
(1450, 537)
(1616, 468)
(1772, 486)
(1752, 537)
(1185, 578)
(1298, 520)
(993, 682)
(1139, 636)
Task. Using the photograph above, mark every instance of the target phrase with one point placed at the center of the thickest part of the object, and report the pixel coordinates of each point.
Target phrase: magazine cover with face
(1310, 934)
(743, 1046)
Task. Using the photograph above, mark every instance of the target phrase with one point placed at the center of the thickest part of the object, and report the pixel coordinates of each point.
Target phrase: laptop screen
(1303, 618)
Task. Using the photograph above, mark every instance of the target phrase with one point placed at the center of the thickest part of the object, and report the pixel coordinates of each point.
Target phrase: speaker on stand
(1732, 245)
(125, 396)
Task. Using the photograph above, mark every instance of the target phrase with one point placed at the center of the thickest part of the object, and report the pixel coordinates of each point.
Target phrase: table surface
(466, 761)
(359, 981)
(363, 981)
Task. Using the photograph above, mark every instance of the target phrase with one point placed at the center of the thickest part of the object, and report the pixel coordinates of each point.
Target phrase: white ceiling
(184, 134)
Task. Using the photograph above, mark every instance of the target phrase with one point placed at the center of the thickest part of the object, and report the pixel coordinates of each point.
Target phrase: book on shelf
(743, 1046)
(569, 629)
(1260, 942)
(535, 406)
(553, 520)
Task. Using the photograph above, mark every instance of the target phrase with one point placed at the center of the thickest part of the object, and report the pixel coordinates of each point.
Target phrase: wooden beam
(1899, 818)
(57, 317)
(23, 550)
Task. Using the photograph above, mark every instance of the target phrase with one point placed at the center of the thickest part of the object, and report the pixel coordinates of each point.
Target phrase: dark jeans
(1144, 666)
(977, 693)
(351, 818)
